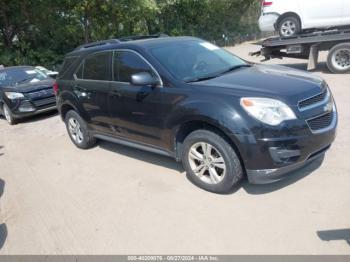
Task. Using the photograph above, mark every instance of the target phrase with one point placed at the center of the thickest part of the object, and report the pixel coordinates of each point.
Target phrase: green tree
(42, 31)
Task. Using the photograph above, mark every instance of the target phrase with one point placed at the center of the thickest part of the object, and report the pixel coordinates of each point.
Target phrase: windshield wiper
(25, 80)
(198, 79)
(233, 68)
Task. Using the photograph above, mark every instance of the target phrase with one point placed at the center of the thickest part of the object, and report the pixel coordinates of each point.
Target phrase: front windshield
(194, 60)
(15, 76)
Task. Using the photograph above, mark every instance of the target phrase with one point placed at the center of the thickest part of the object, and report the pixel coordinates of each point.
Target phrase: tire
(289, 26)
(8, 115)
(78, 131)
(224, 179)
(338, 60)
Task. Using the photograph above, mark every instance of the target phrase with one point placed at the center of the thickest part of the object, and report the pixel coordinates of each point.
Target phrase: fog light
(280, 155)
(26, 108)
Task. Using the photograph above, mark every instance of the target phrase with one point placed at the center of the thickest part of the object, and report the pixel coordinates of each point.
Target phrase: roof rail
(140, 37)
(98, 43)
(123, 39)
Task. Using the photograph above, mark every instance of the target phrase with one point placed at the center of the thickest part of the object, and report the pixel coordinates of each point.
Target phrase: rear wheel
(338, 60)
(289, 26)
(8, 115)
(210, 162)
(78, 131)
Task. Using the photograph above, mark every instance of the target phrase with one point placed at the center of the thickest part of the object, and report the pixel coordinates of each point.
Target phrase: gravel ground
(57, 199)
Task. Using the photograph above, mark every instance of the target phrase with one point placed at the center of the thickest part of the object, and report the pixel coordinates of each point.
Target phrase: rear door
(92, 87)
(321, 13)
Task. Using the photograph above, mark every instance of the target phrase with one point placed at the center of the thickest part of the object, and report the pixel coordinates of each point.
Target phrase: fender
(72, 101)
(226, 118)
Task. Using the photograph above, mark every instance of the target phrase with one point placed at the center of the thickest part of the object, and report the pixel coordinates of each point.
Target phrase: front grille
(313, 100)
(321, 122)
(45, 102)
(47, 92)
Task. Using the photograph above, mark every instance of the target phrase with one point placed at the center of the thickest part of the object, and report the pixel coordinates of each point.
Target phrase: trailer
(308, 45)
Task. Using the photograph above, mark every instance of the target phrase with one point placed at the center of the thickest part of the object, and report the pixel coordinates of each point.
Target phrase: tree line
(37, 32)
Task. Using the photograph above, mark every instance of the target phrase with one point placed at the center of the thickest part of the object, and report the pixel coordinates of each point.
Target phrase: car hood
(30, 86)
(289, 85)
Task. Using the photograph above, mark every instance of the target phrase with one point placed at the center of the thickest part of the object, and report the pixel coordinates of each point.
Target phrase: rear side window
(68, 61)
(127, 63)
(96, 67)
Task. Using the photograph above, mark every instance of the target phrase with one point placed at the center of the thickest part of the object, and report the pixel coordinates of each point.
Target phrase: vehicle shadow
(149, 157)
(39, 117)
(332, 235)
(292, 178)
(1, 154)
(3, 227)
(170, 163)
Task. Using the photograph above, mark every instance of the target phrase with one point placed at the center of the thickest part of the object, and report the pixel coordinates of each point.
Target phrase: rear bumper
(267, 22)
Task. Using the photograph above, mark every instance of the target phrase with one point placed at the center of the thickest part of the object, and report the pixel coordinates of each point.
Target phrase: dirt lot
(57, 199)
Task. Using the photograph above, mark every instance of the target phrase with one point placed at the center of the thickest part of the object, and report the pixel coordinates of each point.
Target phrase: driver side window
(127, 63)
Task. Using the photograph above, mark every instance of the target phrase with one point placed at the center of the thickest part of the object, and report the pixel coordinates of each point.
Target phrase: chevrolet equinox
(186, 98)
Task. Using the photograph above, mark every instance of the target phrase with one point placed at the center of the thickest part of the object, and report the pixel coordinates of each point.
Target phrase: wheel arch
(192, 125)
(66, 102)
(287, 14)
(65, 108)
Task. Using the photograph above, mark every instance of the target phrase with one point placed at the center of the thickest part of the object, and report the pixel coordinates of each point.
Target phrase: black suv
(25, 91)
(186, 98)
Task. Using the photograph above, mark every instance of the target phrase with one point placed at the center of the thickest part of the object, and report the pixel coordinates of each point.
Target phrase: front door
(135, 109)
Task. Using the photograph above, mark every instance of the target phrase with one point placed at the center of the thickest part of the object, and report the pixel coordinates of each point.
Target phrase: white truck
(292, 17)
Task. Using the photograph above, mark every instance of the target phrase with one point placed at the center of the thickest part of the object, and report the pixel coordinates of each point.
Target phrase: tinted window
(80, 71)
(68, 61)
(128, 63)
(97, 66)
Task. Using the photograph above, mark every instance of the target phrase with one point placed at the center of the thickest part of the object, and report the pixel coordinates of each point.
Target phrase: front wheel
(210, 162)
(338, 60)
(8, 115)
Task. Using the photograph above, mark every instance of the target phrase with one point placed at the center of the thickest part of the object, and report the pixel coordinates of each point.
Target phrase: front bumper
(267, 22)
(25, 107)
(266, 176)
(271, 156)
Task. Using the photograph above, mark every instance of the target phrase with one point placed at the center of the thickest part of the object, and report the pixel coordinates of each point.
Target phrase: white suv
(290, 17)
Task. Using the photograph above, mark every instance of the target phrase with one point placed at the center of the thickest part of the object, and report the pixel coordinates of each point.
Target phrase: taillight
(266, 3)
(55, 88)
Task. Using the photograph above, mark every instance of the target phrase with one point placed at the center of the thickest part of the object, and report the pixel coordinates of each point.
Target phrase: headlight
(14, 95)
(269, 111)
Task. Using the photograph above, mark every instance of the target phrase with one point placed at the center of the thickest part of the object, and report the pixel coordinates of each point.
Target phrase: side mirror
(143, 79)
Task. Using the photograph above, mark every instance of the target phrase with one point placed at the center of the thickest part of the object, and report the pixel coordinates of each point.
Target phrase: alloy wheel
(288, 28)
(75, 130)
(207, 163)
